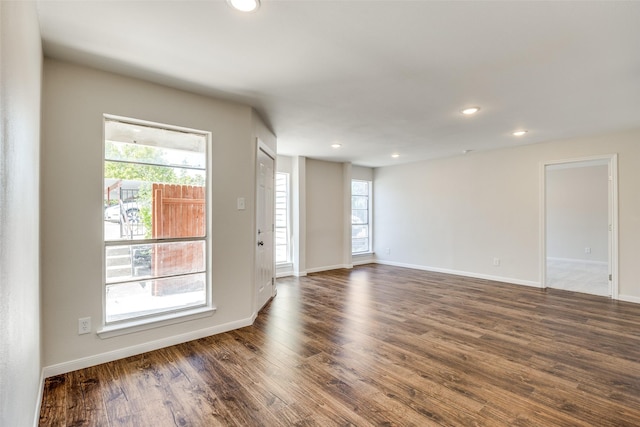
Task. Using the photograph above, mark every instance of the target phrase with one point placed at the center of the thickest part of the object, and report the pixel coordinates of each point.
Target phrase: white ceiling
(378, 77)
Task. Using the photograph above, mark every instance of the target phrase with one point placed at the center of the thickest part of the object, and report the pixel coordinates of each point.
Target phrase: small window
(156, 237)
(360, 216)
(283, 252)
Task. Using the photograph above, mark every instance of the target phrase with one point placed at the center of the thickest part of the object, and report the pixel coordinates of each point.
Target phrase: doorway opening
(579, 225)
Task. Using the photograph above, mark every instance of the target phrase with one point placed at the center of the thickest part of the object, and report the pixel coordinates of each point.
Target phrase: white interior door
(265, 267)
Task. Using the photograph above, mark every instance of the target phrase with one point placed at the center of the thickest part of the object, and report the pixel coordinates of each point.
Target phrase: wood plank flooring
(381, 346)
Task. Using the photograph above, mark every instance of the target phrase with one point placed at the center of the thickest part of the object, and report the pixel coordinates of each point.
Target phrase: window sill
(284, 269)
(157, 322)
(363, 254)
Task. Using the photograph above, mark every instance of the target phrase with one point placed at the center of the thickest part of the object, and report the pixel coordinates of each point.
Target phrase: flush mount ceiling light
(395, 155)
(471, 110)
(336, 145)
(244, 5)
(519, 132)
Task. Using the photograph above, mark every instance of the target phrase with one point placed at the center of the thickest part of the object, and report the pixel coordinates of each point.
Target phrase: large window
(360, 216)
(283, 252)
(155, 220)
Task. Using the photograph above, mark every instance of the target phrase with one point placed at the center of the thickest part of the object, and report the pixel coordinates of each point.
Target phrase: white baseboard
(284, 270)
(299, 273)
(284, 274)
(463, 273)
(578, 261)
(110, 356)
(328, 267)
(629, 298)
(626, 298)
(364, 260)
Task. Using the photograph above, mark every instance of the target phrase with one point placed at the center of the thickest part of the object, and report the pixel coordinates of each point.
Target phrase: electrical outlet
(496, 262)
(587, 250)
(387, 251)
(84, 325)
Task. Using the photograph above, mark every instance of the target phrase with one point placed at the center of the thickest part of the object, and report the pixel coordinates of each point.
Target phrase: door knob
(260, 243)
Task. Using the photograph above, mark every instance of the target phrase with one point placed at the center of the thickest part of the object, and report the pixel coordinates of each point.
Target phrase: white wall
(262, 132)
(321, 213)
(325, 216)
(577, 214)
(299, 214)
(457, 214)
(20, 338)
(361, 173)
(74, 101)
(284, 164)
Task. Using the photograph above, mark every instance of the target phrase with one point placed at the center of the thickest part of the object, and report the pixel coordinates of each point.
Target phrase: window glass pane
(359, 231)
(129, 209)
(124, 152)
(145, 297)
(146, 144)
(281, 236)
(177, 194)
(134, 173)
(282, 218)
(359, 202)
(281, 200)
(127, 262)
(359, 216)
(360, 245)
(281, 254)
(360, 188)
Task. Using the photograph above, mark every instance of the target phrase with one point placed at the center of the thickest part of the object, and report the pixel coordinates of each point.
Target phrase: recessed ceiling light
(336, 145)
(395, 155)
(244, 5)
(471, 110)
(519, 132)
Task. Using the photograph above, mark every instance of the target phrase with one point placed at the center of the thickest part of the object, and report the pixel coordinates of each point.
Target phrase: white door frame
(612, 162)
(261, 146)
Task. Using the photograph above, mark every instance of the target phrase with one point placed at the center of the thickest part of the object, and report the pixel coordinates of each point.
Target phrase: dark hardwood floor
(380, 345)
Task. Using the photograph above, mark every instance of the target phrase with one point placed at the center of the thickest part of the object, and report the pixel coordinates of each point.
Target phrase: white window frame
(287, 227)
(369, 218)
(170, 316)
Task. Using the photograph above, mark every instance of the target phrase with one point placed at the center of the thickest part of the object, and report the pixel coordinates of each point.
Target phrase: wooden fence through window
(177, 211)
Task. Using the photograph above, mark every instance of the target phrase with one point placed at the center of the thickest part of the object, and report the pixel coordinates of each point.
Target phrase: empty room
(318, 213)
